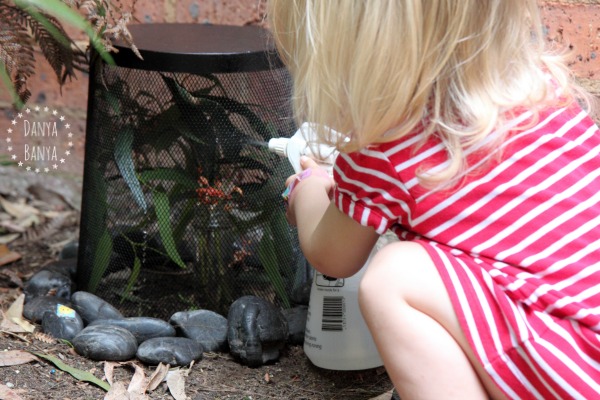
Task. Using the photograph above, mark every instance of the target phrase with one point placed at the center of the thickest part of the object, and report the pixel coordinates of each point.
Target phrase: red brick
(576, 27)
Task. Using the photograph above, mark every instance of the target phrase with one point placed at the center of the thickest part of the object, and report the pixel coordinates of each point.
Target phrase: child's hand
(305, 163)
(302, 180)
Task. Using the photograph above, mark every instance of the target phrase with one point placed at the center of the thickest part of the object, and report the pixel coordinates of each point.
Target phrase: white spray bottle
(336, 336)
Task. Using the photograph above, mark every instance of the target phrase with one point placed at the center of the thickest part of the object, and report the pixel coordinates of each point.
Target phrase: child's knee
(399, 269)
(382, 274)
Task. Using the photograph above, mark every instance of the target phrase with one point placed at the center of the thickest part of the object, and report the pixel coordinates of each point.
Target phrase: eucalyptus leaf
(184, 219)
(95, 226)
(124, 160)
(245, 110)
(268, 259)
(169, 174)
(163, 215)
(78, 374)
(280, 229)
(165, 131)
(101, 260)
(216, 84)
(135, 272)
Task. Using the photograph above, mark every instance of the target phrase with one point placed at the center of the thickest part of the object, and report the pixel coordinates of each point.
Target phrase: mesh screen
(181, 198)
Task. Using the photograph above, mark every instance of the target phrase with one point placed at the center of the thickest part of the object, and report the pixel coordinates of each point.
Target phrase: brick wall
(573, 24)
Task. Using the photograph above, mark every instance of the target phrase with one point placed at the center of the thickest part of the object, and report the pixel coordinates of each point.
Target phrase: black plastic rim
(199, 48)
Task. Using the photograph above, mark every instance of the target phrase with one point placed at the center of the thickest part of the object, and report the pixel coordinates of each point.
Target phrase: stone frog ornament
(257, 331)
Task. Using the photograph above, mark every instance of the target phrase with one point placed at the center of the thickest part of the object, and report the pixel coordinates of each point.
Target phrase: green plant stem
(11, 89)
(203, 259)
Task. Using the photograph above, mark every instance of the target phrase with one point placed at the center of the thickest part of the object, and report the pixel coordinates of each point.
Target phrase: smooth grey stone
(296, 320)
(65, 267)
(35, 308)
(47, 281)
(105, 343)
(62, 323)
(70, 251)
(92, 307)
(204, 326)
(143, 328)
(176, 351)
(257, 331)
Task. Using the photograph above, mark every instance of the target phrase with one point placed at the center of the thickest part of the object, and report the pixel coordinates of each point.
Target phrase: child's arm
(331, 241)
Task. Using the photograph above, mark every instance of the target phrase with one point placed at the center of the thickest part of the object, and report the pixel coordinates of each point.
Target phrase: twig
(17, 336)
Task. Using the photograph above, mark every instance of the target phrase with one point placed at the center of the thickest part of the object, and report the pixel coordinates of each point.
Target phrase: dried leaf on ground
(139, 383)
(10, 327)
(8, 256)
(117, 392)
(49, 196)
(18, 210)
(12, 226)
(28, 221)
(13, 320)
(50, 228)
(157, 377)
(15, 357)
(11, 237)
(13, 277)
(176, 384)
(109, 371)
(7, 393)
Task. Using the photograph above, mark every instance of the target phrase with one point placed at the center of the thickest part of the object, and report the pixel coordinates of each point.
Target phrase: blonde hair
(376, 70)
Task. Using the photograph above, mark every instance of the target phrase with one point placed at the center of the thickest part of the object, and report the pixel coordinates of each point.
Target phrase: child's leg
(410, 316)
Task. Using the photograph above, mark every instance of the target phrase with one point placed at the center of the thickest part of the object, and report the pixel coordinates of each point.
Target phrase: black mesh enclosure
(182, 203)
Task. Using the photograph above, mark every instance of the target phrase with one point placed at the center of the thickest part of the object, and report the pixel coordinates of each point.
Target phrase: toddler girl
(459, 133)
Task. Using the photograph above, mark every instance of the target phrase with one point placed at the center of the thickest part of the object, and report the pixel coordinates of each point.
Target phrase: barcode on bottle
(333, 313)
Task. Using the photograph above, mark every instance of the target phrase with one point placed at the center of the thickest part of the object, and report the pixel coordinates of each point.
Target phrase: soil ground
(216, 376)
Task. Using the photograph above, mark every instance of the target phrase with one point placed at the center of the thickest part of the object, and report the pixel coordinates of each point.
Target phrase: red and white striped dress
(517, 244)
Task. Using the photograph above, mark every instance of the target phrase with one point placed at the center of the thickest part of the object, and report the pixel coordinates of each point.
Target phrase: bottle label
(333, 319)
(326, 281)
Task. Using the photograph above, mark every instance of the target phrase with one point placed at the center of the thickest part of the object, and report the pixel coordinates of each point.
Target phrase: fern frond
(53, 41)
(16, 52)
(25, 23)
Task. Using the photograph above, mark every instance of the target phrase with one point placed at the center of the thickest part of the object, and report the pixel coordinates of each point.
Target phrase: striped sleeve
(369, 191)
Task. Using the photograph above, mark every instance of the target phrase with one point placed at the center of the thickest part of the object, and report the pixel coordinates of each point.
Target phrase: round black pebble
(143, 328)
(108, 343)
(35, 308)
(204, 326)
(62, 323)
(176, 351)
(91, 307)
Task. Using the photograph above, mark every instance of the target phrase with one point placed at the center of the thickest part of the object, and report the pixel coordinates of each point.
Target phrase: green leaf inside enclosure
(124, 160)
(135, 272)
(101, 260)
(268, 258)
(163, 215)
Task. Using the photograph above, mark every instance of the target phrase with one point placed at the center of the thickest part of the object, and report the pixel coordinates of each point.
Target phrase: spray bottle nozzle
(304, 143)
(279, 146)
